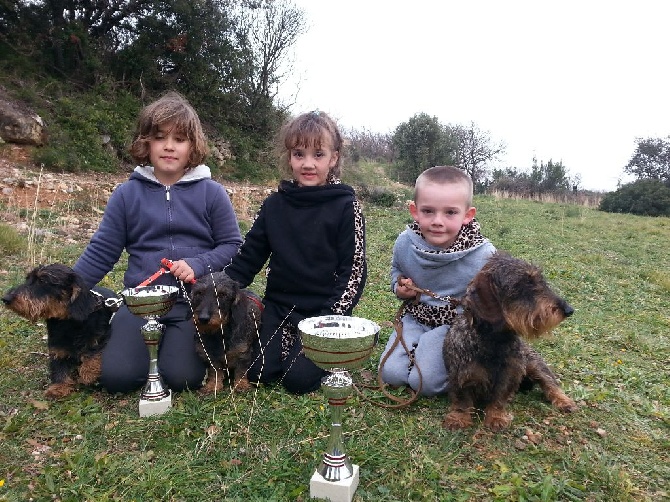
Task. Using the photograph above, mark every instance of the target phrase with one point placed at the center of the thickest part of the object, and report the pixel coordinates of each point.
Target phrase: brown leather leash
(397, 325)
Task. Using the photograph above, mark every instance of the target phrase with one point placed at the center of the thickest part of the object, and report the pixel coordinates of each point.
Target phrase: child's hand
(182, 271)
(403, 288)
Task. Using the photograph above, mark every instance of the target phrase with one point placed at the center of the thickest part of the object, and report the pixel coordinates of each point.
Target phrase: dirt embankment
(74, 202)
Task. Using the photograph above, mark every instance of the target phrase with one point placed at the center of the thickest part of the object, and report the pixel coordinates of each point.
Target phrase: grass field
(613, 356)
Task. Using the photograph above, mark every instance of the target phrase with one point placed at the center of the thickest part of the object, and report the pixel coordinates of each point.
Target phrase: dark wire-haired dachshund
(77, 322)
(486, 358)
(227, 319)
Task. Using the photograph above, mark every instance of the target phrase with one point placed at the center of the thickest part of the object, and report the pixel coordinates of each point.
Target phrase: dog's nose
(567, 309)
(203, 318)
(7, 299)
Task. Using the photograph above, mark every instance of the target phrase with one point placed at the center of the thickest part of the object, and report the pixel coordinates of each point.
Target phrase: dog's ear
(482, 300)
(82, 302)
(238, 294)
(242, 320)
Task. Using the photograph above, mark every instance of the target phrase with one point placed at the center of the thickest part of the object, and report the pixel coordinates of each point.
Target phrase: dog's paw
(497, 419)
(60, 390)
(212, 385)
(241, 385)
(560, 400)
(456, 419)
(90, 369)
(565, 404)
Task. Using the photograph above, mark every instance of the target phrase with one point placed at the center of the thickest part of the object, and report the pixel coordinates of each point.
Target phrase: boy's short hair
(443, 175)
(172, 107)
(308, 130)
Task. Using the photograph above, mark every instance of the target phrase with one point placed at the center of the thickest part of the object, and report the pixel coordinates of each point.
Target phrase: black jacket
(315, 240)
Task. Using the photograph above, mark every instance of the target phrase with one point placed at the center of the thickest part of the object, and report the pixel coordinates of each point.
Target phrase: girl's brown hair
(171, 108)
(308, 130)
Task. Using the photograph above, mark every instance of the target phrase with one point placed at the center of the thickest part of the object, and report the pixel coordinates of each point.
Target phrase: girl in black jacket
(313, 232)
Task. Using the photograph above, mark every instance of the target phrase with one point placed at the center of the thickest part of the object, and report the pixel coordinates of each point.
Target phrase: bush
(644, 197)
(11, 242)
(379, 196)
(78, 126)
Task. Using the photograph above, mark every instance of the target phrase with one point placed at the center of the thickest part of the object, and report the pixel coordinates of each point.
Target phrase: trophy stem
(337, 343)
(151, 302)
(155, 389)
(336, 464)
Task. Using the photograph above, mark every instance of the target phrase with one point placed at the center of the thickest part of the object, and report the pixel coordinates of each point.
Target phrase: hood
(197, 173)
(429, 256)
(309, 196)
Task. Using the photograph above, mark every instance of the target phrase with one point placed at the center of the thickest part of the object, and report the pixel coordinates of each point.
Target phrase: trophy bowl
(149, 303)
(337, 344)
(337, 341)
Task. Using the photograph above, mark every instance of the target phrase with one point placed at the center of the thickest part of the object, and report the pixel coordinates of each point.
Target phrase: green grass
(11, 241)
(612, 355)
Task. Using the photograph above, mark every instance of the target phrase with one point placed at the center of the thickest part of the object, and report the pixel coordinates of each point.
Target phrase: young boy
(441, 252)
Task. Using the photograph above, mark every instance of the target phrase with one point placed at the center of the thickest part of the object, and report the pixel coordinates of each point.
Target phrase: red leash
(166, 265)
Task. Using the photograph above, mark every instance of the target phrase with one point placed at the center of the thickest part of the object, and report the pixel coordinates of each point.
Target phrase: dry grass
(580, 198)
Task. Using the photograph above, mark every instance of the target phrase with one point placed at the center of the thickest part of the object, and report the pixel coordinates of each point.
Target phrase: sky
(575, 81)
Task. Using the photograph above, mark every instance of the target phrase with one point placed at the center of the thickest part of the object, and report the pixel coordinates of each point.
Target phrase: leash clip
(113, 303)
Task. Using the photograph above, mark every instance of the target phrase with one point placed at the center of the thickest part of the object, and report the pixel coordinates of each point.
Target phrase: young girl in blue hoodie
(168, 208)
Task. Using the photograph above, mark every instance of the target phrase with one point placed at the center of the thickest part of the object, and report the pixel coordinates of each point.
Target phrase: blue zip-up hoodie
(191, 220)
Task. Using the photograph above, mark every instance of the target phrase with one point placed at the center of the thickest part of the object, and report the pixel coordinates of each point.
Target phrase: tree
(270, 28)
(549, 177)
(369, 145)
(420, 143)
(475, 149)
(645, 197)
(651, 160)
(223, 55)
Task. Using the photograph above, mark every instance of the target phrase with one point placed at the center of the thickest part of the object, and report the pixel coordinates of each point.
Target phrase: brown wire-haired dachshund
(77, 322)
(487, 361)
(227, 319)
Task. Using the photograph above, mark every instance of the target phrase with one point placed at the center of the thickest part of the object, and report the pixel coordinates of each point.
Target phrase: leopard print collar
(469, 237)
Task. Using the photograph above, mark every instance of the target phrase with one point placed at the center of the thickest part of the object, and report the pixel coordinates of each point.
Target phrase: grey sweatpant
(427, 344)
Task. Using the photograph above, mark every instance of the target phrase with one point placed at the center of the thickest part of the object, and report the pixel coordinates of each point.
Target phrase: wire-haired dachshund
(486, 358)
(228, 319)
(77, 320)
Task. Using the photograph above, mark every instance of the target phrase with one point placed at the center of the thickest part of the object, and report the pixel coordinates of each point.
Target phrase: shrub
(643, 197)
(11, 242)
(379, 196)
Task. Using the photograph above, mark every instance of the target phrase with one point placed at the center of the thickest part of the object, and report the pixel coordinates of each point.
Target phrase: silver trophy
(337, 343)
(151, 302)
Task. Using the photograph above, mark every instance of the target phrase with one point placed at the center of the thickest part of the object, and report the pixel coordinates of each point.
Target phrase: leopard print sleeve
(357, 278)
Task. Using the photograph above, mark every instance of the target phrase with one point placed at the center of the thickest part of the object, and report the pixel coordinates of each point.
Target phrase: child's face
(168, 152)
(311, 165)
(441, 210)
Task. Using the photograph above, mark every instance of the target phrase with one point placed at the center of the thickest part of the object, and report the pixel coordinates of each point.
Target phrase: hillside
(79, 197)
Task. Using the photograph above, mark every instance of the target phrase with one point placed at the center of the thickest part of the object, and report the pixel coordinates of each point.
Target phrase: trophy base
(335, 491)
(149, 407)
